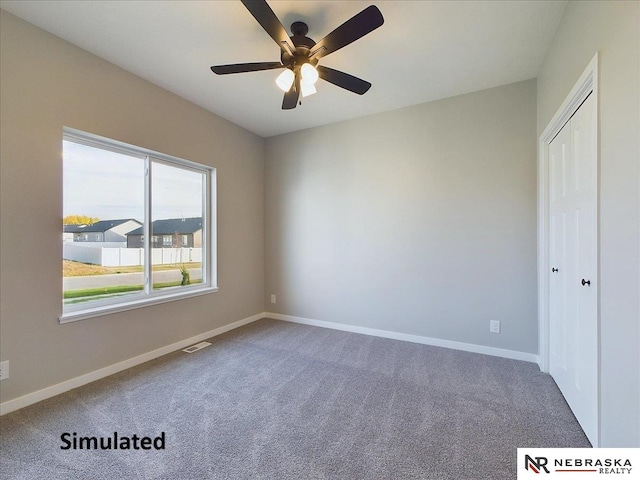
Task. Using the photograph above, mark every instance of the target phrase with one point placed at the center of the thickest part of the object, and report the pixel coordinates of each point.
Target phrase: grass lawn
(79, 269)
(75, 296)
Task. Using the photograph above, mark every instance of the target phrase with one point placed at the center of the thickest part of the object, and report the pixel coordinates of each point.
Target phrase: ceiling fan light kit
(299, 54)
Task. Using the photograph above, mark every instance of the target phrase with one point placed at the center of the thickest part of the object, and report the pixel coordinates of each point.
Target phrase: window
(146, 204)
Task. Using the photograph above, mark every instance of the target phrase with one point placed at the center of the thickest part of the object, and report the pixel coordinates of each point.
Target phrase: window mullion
(148, 258)
(205, 228)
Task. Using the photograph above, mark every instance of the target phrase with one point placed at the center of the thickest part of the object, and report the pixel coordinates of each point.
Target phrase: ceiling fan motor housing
(303, 46)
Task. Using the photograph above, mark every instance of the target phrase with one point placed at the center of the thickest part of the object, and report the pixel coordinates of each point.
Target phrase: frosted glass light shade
(307, 88)
(309, 73)
(285, 80)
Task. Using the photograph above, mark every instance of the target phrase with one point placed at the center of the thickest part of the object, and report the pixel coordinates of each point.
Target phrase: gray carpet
(275, 400)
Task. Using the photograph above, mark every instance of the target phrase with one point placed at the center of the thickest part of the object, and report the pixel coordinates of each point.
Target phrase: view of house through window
(134, 223)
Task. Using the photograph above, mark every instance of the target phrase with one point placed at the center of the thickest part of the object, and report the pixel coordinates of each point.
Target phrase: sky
(109, 185)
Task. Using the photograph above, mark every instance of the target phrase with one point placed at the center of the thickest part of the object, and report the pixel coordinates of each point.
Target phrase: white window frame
(149, 296)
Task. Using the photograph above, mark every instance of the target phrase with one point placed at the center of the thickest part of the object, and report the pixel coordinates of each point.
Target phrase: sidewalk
(97, 281)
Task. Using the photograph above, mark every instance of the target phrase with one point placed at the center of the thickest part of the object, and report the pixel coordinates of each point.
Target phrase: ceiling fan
(299, 54)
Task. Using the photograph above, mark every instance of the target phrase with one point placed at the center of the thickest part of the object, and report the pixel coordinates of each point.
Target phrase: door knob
(554, 270)
(586, 282)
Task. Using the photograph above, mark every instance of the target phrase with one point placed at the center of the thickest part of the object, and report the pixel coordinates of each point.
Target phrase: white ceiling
(426, 50)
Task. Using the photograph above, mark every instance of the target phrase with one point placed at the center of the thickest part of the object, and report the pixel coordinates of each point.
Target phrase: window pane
(177, 219)
(103, 203)
(114, 196)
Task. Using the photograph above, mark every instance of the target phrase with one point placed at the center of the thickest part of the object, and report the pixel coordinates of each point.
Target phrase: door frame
(586, 84)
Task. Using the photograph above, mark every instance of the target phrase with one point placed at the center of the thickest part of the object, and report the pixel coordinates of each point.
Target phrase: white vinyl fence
(115, 255)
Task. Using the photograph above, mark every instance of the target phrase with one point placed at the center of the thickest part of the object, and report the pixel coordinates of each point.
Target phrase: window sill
(98, 311)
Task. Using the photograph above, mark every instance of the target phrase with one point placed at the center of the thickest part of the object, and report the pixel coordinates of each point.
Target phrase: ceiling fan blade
(268, 20)
(356, 27)
(245, 67)
(290, 100)
(344, 80)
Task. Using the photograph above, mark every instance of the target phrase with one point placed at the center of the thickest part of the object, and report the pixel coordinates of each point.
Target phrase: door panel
(584, 144)
(560, 304)
(573, 249)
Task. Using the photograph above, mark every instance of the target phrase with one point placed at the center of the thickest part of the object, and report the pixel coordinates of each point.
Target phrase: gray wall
(613, 29)
(420, 220)
(47, 84)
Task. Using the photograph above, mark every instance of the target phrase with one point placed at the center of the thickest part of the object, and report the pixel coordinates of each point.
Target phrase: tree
(79, 220)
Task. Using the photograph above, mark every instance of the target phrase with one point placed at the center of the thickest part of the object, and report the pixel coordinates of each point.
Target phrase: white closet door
(573, 254)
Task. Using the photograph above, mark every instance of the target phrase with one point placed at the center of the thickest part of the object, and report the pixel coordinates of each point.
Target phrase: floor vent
(196, 347)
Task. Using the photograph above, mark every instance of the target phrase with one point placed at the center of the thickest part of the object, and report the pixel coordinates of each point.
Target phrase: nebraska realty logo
(582, 463)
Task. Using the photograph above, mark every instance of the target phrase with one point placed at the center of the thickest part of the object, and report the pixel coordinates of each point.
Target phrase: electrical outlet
(4, 370)
(494, 326)
(273, 298)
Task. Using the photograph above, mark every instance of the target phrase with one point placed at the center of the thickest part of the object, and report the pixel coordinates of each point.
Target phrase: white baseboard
(436, 342)
(52, 391)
